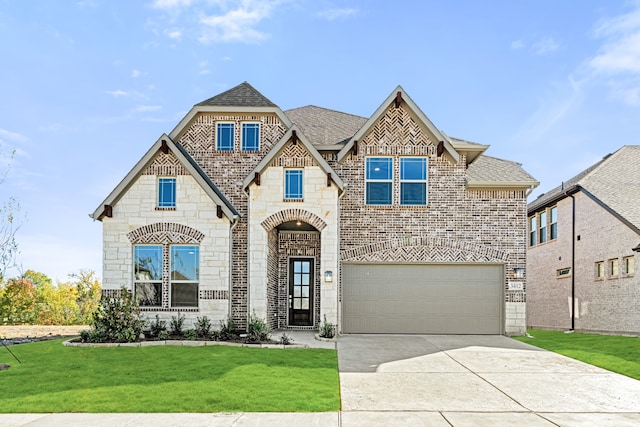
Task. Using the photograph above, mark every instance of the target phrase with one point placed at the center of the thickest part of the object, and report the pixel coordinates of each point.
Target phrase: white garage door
(422, 298)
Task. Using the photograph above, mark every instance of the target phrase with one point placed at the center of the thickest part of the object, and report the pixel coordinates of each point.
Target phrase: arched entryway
(293, 268)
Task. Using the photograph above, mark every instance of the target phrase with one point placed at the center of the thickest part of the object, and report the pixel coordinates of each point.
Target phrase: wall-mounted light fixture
(328, 276)
(518, 273)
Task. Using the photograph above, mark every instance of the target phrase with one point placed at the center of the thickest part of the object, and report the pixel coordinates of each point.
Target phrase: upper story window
(413, 181)
(185, 274)
(379, 180)
(554, 223)
(166, 192)
(293, 184)
(224, 136)
(250, 136)
(543, 226)
(533, 230)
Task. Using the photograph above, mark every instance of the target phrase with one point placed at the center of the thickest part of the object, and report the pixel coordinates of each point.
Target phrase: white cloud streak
(237, 24)
(338, 13)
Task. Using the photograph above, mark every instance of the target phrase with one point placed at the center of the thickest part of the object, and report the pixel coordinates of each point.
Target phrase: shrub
(228, 331)
(156, 327)
(327, 330)
(177, 323)
(286, 339)
(190, 334)
(257, 330)
(203, 327)
(117, 319)
(163, 335)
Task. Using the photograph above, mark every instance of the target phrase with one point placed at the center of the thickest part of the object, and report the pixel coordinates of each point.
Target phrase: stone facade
(609, 304)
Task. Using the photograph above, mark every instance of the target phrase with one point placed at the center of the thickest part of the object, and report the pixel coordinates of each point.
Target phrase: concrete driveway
(445, 380)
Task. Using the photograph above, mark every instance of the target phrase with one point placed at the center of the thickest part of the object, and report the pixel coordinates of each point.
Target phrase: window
(250, 136)
(628, 265)
(293, 184)
(543, 227)
(147, 263)
(379, 180)
(532, 231)
(563, 272)
(599, 270)
(413, 181)
(166, 192)
(224, 137)
(613, 268)
(185, 272)
(554, 223)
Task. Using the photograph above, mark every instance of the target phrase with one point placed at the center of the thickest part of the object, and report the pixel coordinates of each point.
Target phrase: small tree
(17, 302)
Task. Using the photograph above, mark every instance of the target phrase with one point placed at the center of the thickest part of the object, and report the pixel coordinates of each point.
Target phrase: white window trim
(155, 281)
(175, 196)
(172, 281)
(626, 272)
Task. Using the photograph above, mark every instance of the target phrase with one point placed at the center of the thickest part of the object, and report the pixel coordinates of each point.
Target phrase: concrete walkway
(428, 381)
(476, 380)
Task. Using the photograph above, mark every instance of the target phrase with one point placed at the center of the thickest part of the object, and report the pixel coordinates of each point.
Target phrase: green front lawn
(54, 378)
(617, 354)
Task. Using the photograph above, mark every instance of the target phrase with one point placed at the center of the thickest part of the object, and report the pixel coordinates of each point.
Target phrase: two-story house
(383, 224)
(583, 239)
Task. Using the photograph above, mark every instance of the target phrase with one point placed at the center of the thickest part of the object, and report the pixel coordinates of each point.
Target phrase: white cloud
(174, 34)
(620, 55)
(170, 4)
(7, 135)
(337, 13)
(517, 44)
(544, 46)
(237, 25)
(136, 73)
(116, 93)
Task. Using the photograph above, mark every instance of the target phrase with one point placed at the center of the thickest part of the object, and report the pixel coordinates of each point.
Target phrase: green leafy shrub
(163, 335)
(203, 327)
(117, 319)
(327, 330)
(177, 323)
(257, 330)
(190, 334)
(156, 327)
(228, 331)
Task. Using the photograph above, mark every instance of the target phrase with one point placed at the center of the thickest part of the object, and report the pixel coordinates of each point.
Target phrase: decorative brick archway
(293, 215)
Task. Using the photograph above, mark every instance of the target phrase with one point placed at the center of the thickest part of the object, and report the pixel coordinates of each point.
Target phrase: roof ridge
(327, 109)
(240, 95)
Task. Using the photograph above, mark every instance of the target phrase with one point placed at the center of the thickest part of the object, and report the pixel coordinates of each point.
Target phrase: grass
(614, 353)
(54, 378)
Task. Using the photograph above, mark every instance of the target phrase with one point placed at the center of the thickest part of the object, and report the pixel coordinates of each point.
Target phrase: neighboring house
(583, 240)
(379, 224)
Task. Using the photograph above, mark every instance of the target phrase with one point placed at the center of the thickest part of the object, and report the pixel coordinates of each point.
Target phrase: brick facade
(606, 305)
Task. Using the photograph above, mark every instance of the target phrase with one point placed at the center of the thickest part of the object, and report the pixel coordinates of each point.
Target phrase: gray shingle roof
(243, 95)
(614, 180)
(323, 126)
(487, 169)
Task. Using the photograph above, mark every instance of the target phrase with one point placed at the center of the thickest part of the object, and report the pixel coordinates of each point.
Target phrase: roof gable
(279, 147)
(189, 164)
(324, 127)
(399, 95)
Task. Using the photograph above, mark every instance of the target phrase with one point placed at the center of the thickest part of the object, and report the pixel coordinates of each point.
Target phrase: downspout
(339, 272)
(573, 262)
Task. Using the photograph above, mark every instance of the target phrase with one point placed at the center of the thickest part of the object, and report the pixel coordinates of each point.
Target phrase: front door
(301, 280)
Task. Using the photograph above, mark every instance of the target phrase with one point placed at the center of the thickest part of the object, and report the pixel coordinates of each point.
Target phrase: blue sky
(88, 86)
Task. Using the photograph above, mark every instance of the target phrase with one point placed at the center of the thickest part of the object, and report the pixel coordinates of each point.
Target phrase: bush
(257, 330)
(156, 327)
(190, 334)
(227, 332)
(203, 327)
(286, 339)
(327, 330)
(117, 319)
(177, 323)
(163, 335)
